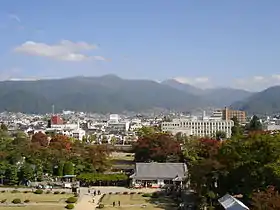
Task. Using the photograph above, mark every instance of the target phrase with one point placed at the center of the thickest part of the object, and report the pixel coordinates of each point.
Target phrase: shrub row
(124, 193)
(38, 191)
(15, 201)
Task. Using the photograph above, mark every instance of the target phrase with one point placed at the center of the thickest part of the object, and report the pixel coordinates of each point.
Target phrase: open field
(124, 199)
(49, 198)
(39, 207)
(137, 202)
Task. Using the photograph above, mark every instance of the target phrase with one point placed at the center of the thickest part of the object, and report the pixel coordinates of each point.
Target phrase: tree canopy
(25, 158)
(158, 147)
(243, 166)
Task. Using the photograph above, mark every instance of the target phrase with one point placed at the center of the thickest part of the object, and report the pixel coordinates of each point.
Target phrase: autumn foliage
(41, 139)
(159, 147)
(268, 199)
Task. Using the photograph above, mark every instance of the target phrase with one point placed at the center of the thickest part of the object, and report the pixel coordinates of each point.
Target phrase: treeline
(24, 158)
(246, 166)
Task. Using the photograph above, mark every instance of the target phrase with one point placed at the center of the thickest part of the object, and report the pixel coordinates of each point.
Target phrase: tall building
(228, 114)
(198, 127)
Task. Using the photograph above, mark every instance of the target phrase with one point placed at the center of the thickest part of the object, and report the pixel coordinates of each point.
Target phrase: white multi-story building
(197, 127)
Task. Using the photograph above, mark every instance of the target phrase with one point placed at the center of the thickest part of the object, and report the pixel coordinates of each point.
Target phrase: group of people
(114, 203)
(94, 192)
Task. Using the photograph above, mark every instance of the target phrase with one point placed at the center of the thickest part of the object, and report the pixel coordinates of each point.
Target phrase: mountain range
(110, 93)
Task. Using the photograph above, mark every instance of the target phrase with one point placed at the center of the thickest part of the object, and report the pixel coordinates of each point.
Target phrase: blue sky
(204, 43)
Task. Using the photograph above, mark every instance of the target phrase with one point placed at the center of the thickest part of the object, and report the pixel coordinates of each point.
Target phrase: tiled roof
(231, 203)
(150, 171)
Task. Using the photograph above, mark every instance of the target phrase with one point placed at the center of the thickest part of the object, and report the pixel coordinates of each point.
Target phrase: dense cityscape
(183, 157)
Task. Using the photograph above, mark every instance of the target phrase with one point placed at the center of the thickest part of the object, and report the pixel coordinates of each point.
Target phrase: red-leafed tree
(159, 147)
(41, 139)
(208, 147)
(61, 142)
(268, 199)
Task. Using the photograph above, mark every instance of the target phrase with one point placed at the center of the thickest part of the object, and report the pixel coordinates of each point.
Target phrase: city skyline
(205, 44)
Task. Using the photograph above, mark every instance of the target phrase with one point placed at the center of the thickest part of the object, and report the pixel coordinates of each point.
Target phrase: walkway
(85, 202)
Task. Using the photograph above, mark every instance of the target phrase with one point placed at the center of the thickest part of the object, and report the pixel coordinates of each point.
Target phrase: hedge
(71, 200)
(39, 191)
(94, 177)
(70, 206)
(16, 201)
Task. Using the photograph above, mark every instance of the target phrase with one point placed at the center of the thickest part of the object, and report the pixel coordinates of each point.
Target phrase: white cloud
(15, 17)
(257, 83)
(65, 50)
(188, 80)
(203, 82)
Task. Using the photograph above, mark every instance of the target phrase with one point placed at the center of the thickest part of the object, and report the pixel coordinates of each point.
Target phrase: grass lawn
(34, 197)
(136, 202)
(124, 199)
(33, 208)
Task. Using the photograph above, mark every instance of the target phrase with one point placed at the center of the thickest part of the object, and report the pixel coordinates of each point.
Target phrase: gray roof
(150, 171)
(231, 203)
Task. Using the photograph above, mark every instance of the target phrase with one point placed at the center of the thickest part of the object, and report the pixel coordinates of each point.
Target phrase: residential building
(156, 175)
(118, 127)
(56, 120)
(198, 127)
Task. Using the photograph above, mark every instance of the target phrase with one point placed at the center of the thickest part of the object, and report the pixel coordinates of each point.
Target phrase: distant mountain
(217, 97)
(264, 102)
(107, 93)
(182, 86)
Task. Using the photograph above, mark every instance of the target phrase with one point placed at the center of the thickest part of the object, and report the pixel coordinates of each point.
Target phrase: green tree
(255, 124)
(236, 130)
(220, 135)
(68, 168)
(26, 172)
(3, 170)
(113, 140)
(4, 127)
(145, 131)
(59, 169)
(92, 138)
(12, 175)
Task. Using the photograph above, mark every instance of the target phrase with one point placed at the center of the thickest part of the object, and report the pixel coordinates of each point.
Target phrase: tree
(41, 139)
(236, 130)
(159, 147)
(68, 168)
(269, 199)
(61, 142)
(92, 138)
(220, 135)
(12, 175)
(3, 127)
(96, 157)
(145, 131)
(26, 172)
(3, 169)
(255, 124)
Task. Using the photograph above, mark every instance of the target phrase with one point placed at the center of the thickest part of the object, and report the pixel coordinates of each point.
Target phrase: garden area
(37, 200)
(137, 201)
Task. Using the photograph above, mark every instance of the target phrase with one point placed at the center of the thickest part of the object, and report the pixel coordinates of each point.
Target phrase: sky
(217, 43)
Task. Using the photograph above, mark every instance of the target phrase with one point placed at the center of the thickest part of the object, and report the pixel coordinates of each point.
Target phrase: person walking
(119, 203)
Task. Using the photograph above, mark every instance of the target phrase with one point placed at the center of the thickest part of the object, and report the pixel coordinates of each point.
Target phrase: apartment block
(228, 114)
(198, 127)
